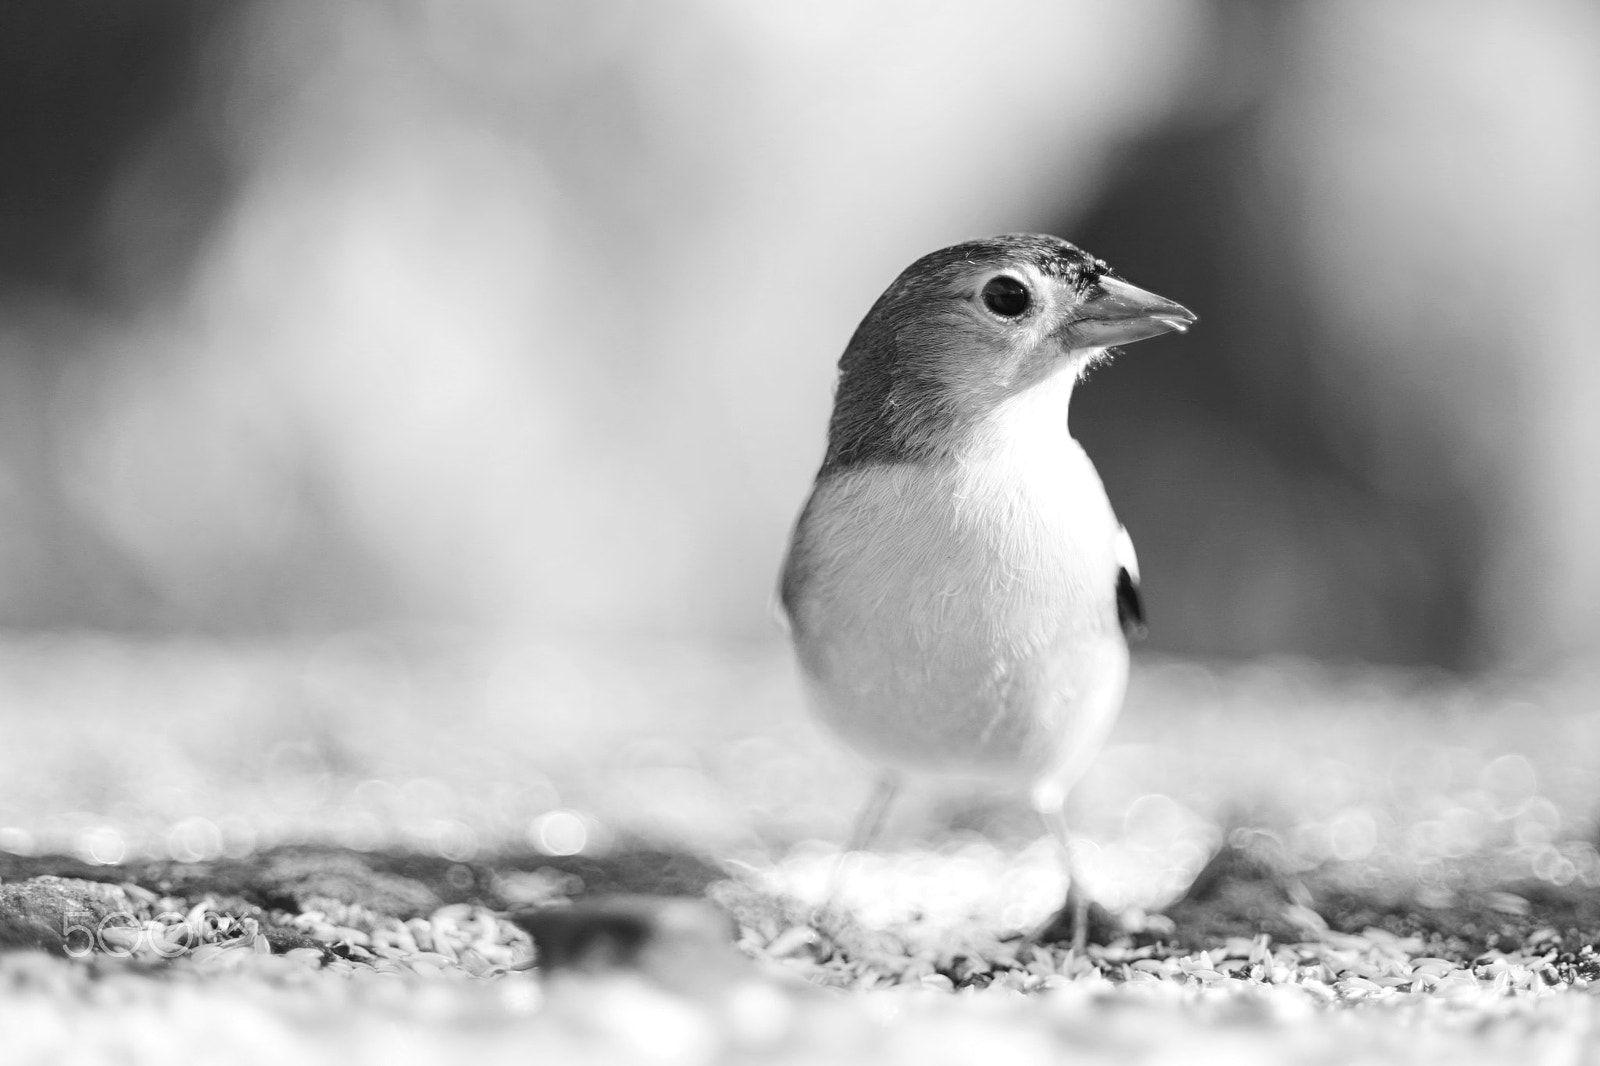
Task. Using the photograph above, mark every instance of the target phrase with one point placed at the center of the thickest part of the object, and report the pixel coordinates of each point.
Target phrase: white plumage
(960, 615)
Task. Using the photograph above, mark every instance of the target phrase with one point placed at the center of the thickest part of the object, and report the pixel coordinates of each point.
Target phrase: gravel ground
(339, 851)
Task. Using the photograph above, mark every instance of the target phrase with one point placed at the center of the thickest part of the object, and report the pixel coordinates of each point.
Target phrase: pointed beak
(1120, 313)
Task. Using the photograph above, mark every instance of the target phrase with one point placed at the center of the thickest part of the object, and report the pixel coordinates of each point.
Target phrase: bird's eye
(1006, 296)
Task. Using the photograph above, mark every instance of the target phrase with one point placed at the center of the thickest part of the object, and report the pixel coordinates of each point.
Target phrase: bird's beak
(1120, 313)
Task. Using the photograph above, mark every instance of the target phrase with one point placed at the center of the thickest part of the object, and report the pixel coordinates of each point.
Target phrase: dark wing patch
(1130, 608)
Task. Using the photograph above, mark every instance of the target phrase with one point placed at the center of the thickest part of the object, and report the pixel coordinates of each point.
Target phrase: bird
(957, 588)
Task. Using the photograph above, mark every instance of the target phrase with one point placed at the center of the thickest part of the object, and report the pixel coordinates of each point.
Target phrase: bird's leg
(869, 822)
(1076, 908)
(1077, 915)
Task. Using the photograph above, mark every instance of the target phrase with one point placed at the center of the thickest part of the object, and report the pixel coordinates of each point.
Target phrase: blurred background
(524, 316)
(514, 324)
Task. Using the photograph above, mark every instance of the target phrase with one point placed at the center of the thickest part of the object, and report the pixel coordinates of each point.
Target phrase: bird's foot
(1079, 923)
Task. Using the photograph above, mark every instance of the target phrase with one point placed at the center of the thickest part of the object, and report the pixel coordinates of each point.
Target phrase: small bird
(957, 588)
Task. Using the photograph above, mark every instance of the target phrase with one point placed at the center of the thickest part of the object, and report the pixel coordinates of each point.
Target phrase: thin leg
(1078, 915)
(869, 823)
(1078, 904)
(1076, 908)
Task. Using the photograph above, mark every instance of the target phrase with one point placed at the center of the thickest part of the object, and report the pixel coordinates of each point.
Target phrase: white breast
(961, 617)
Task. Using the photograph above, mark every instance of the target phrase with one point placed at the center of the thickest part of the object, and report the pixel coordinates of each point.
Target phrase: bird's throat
(1035, 417)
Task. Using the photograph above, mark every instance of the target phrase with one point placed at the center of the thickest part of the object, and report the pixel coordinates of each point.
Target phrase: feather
(1130, 605)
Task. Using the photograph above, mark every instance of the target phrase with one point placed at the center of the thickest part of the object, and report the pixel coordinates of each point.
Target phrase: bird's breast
(961, 616)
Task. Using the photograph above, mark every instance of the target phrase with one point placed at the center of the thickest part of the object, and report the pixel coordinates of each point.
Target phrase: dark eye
(1006, 296)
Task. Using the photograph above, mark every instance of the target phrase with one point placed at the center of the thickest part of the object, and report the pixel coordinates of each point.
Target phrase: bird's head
(968, 328)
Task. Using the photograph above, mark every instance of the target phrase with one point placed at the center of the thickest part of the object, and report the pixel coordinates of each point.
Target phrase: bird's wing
(778, 614)
(781, 608)
(1130, 608)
